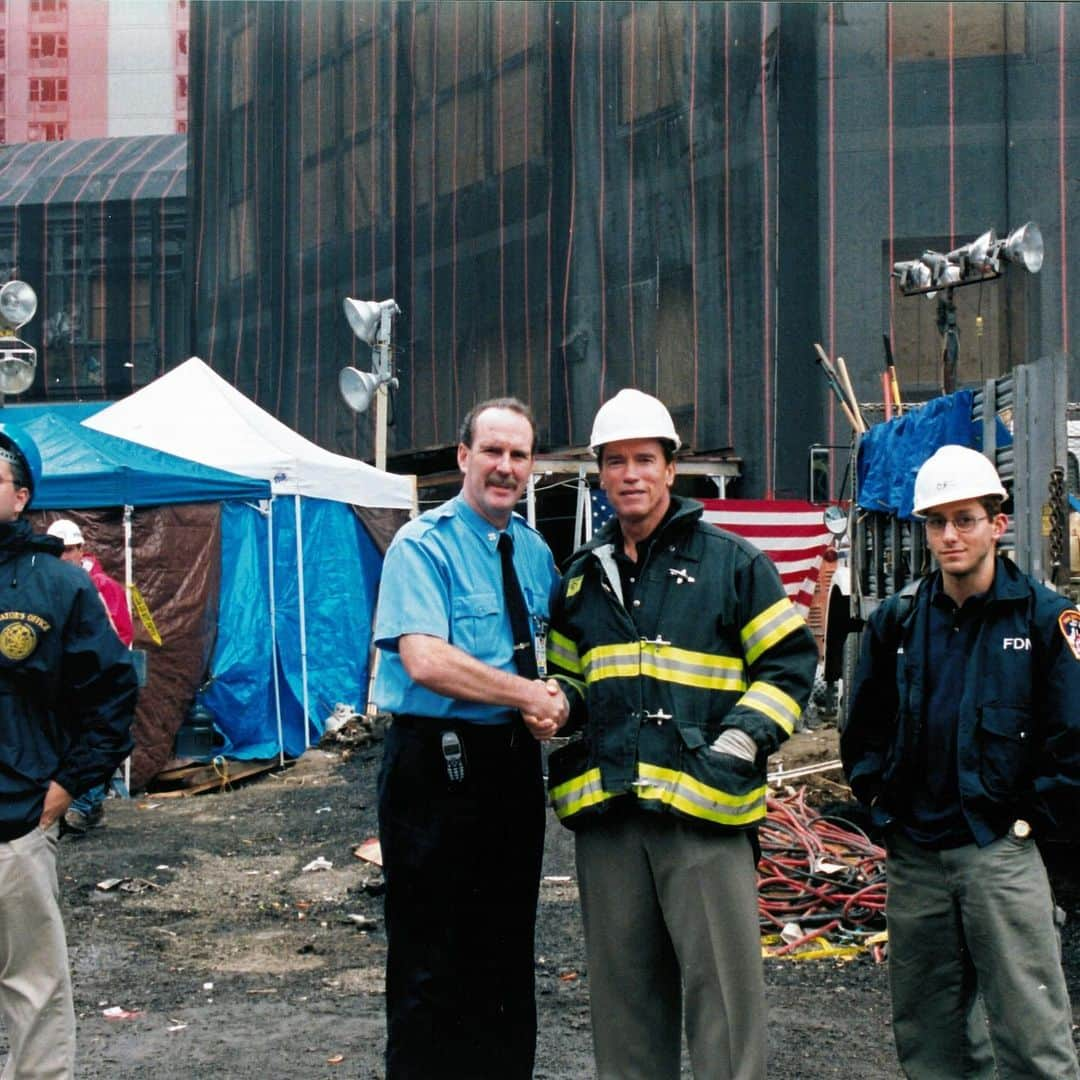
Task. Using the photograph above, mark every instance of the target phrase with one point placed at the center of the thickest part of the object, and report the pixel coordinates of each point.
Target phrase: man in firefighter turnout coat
(686, 666)
(963, 739)
(67, 701)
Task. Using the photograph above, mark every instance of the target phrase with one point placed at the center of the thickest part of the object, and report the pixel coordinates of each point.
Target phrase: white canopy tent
(192, 412)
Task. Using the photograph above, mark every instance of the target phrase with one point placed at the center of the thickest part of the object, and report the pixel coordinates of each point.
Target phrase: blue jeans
(92, 801)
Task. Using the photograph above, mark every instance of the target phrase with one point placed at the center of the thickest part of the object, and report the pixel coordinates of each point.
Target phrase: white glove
(736, 743)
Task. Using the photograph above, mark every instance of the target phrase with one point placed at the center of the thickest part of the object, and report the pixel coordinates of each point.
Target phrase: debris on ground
(127, 884)
(362, 922)
(345, 727)
(821, 884)
(117, 1012)
(369, 851)
(196, 778)
(316, 864)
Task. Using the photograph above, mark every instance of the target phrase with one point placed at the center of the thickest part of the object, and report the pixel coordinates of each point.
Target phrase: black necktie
(524, 653)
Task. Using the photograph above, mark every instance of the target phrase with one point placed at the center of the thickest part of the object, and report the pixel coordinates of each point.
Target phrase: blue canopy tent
(180, 550)
(83, 468)
(298, 589)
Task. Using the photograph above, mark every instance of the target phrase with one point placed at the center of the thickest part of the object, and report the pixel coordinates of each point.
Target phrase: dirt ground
(237, 963)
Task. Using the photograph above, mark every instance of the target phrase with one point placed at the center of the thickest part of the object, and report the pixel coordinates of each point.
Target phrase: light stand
(18, 360)
(933, 273)
(371, 322)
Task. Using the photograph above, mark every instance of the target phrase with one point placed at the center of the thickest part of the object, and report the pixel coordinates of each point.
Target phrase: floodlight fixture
(359, 387)
(978, 258)
(937, 264)
(1024, 245)
(912, 275)
(365, 316)
(370, 321)
(18, 364)
(18, 304)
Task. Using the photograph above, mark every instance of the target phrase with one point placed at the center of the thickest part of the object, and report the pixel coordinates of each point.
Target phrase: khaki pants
(35, 981)
(670, 913)
(975, 963)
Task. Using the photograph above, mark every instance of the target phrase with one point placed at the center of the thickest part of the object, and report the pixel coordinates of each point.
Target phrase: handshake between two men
(546, 710)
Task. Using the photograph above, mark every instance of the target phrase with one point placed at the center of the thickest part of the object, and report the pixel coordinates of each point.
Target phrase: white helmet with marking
(952, 474)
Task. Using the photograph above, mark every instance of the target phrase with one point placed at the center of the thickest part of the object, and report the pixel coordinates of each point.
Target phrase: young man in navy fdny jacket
(964, 741)
(67, 701)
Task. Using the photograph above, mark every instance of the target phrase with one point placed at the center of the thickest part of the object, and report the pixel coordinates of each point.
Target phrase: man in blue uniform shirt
(964, 741)
(461, 800)
(67, 700)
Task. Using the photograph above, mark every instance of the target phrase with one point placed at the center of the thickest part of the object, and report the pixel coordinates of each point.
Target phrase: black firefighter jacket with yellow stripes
(710, 642)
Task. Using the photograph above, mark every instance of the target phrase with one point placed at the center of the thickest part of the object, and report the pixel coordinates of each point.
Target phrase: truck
(1019, 421)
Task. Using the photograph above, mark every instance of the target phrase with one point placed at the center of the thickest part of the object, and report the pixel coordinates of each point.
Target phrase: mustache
(509, 485)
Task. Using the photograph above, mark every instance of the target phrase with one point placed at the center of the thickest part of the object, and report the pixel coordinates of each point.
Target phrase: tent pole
(273, 626)
(129, 581)
(530, 500)
(303, 622)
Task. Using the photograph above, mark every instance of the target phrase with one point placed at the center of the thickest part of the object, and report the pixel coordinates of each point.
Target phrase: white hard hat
(630, 414)
(954, 473)
(68, 531)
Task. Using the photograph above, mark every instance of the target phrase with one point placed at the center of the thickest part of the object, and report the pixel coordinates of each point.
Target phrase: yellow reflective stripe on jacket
(684, 793)
(665, 663)
(773, 624)
(578, 794)
(622, 661)
(562, 651)
(774, 703)
(668, 786)
(688, 668)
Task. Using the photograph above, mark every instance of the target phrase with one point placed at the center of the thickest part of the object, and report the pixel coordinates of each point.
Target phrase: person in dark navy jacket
(67, 701)
(964, 740)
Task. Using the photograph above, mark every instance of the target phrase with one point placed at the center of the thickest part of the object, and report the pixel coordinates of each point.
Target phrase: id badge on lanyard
(540, 628)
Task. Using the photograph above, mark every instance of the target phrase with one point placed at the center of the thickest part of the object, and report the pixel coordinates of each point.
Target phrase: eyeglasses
(962, 523)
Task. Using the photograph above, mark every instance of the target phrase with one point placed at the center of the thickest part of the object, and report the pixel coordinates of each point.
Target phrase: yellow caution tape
(144, 614)
(221, 767)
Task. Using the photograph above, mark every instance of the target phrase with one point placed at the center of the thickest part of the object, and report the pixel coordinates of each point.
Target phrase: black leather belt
(433, 727)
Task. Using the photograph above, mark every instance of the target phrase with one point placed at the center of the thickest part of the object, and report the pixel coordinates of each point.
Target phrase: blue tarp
(341, 574)
(890, 454)
(84, 469)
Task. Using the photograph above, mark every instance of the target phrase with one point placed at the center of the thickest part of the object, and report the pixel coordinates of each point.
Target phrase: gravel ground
(236, 963)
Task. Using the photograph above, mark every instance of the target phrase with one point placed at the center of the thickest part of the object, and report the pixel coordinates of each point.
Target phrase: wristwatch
(1020, 829)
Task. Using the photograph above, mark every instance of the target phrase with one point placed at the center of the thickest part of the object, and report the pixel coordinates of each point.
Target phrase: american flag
(601, 509)
(791, 532)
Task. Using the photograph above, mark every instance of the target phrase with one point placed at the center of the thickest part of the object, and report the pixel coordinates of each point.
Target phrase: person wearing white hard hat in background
(67, 702)
(686, 665)
(88, 811)
(963, 739)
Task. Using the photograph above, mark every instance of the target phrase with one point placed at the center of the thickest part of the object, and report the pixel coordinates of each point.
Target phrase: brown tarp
(381, 523)
(176, 566)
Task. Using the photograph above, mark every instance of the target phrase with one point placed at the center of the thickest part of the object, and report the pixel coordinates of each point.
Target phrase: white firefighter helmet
(67, 530)
(630, 414)
(954, 473)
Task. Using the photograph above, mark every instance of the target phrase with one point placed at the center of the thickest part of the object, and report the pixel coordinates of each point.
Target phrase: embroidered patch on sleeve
(574, 584)
(1069, 621)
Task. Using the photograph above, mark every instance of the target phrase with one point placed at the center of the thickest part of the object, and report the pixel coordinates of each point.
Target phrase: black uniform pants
(462, 866)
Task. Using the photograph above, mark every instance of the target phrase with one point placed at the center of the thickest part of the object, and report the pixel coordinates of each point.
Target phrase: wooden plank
(234, 773)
